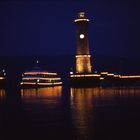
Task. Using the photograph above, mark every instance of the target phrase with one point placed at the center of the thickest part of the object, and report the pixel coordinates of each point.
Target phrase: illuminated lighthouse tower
(84, 75)
(83, 63)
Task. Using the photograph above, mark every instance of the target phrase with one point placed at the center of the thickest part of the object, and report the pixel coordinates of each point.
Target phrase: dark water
(70, 114)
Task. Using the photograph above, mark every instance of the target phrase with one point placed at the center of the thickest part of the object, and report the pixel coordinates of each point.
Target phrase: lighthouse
(83, 57)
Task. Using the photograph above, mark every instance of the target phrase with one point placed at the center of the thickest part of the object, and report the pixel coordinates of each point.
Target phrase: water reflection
(2, 95)
(2, 105)
(82, 114)
(41, 103)
(88, 113)
(41, 95)
(90, 106)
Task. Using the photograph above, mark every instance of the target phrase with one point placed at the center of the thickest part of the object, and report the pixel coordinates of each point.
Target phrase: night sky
(47, 27)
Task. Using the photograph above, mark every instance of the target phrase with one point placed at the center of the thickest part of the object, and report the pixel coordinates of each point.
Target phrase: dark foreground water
(70, 114)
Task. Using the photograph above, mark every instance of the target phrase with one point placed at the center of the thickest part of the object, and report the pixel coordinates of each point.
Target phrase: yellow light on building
(81, 20)
(86, 75)
(131, 76)
(82, 56)
(83, 64)
(104, 72)
(110, 74)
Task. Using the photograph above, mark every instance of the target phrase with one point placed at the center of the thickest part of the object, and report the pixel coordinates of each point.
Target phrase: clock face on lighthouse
(82, 36)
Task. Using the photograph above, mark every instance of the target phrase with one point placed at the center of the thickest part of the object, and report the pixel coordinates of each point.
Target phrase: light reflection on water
(78, 114)
(82, 116)
(2, 104)
(41, 95)
(2, 95)
(89, 105)
(40, 105)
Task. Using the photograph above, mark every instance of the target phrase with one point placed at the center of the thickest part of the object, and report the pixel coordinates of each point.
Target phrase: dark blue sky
(47, 27)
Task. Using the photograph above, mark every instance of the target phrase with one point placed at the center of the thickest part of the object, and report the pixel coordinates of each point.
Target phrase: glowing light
(55, 83)
(83, 64)
(34, 78)
(131, 76)
(104, 72)
(110, 74)
(1, 78)
(81, 20)
(71, 72)
(82, 36)
(38, 80)
(117, 76)
(86, 75)
(82, 56)
(35, 73)
(34, 83)
(28, 83)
